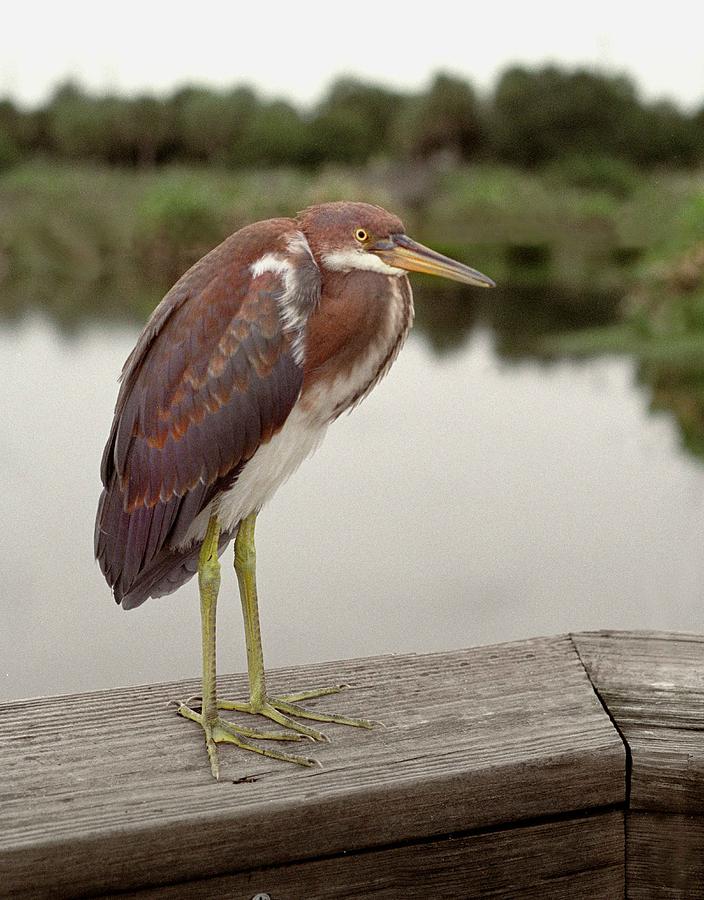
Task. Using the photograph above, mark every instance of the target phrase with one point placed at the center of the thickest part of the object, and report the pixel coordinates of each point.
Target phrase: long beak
(403, 253)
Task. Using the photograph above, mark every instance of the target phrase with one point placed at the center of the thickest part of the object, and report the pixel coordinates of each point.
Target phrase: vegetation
(662, 324)
(569, 188)
(555, 176)
(533, 117)
(94, 240)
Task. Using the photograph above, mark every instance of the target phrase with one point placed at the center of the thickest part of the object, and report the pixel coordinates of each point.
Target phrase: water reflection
(679, 390)
(523, 317)
(446, 312)
(483, 492)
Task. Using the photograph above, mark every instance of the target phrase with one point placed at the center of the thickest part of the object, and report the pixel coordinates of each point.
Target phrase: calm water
(469, 500)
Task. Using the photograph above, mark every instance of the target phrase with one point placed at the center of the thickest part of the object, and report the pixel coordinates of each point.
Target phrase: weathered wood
(653, 686)
(659, 867)
(576, 859)
(111, 790)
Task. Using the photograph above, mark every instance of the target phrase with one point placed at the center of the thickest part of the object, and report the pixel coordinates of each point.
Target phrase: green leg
(279, 709)
(216, 729)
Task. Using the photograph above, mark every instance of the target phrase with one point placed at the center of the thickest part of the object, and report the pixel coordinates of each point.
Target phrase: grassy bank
(83, 241)
(662, 317)
(662, 324)
(585, 266)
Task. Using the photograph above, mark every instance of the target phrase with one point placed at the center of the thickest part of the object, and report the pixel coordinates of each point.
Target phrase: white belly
(305, 428)
(266, 471)
(270, 467)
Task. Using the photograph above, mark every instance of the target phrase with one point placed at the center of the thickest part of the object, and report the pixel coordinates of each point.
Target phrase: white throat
(345, 260)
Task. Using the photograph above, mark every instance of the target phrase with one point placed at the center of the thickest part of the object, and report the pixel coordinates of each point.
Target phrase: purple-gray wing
(212, 377)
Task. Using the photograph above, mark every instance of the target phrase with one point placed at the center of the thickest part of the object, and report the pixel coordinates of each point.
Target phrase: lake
(482, 493)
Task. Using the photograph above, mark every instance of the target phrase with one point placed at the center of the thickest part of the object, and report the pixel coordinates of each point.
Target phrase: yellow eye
(361, 235)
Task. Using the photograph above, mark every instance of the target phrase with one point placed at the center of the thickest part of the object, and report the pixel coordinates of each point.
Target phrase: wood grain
(653, 685)
(664, 857)
(566, 860)
(111, 790)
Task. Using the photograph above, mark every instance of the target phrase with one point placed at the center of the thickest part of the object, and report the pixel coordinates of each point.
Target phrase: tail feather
(138, 550)
(169, 570)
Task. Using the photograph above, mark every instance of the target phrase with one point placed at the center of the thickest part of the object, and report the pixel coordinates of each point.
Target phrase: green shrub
(594, 172)
(178, 220)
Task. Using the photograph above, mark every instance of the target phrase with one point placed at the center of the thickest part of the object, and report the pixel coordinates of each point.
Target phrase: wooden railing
(561, 767)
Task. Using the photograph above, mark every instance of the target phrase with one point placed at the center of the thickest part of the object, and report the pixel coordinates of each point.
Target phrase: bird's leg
(278, 709)
(216, 729)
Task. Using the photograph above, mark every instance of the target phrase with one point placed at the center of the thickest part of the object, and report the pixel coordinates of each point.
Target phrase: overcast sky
(294, 49)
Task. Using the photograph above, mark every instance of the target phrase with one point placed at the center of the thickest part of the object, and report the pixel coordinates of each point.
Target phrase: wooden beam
(111, 791)
(653, 686)
(664, 856)
(573, 859)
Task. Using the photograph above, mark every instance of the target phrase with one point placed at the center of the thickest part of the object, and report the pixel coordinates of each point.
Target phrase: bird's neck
(353, 337)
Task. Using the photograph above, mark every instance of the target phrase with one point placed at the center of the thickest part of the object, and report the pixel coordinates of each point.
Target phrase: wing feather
(212, 377)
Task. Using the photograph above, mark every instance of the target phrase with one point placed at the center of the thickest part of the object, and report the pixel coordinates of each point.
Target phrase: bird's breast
(352, 341)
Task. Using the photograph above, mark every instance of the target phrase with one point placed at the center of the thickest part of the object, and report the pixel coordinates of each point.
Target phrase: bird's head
(346, 236)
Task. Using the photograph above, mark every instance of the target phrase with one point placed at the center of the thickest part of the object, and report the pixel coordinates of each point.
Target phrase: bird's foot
(219, 731)
(280, 710)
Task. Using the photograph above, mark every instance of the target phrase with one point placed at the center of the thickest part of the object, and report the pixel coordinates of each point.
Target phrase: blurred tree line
(533, 117)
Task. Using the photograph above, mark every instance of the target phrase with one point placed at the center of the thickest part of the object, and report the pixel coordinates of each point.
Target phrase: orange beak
(401, 252)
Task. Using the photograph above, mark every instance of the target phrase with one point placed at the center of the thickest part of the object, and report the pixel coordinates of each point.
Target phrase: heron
(233, 382)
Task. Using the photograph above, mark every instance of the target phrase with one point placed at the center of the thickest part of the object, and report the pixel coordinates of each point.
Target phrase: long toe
(220, 731)
(253, 734)
(280, 709)
(222, 736)
(293, 709)
(311, 695)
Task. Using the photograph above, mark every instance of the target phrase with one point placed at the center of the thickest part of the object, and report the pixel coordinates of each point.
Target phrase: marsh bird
(233, 382)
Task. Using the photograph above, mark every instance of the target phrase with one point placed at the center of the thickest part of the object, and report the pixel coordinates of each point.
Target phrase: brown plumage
(210, 378)
(232, 384)
(269, 320)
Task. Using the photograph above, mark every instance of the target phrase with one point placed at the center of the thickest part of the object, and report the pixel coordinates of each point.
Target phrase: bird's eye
(361, 235)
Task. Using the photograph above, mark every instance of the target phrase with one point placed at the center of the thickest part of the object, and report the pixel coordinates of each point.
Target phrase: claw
(221, 732)
(279, 710)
